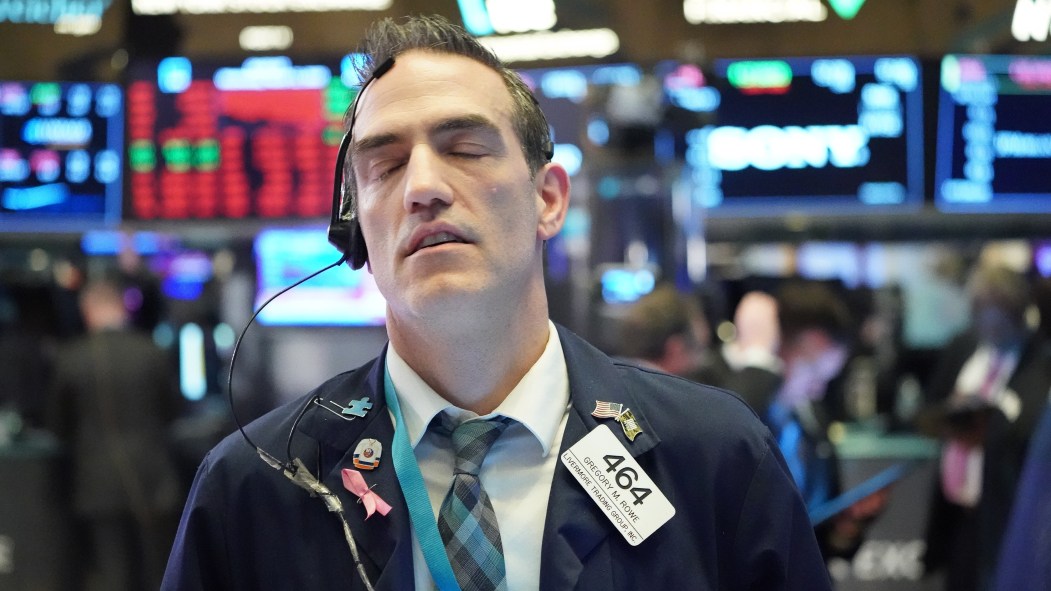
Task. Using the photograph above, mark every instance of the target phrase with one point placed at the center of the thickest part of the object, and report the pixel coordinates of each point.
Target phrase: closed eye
(468, 149)
(381, 171)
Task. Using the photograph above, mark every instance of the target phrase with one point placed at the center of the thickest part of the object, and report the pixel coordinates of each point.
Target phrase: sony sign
(1032, 20)
(771, 148)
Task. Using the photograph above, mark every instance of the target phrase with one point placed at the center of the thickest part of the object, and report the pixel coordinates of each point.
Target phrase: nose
(425, 183)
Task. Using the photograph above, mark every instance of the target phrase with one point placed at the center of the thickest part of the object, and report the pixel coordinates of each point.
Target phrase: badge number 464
(626, 477)
(617, 483)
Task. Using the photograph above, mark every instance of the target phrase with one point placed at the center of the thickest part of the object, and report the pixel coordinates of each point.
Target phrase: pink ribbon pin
(355, 483)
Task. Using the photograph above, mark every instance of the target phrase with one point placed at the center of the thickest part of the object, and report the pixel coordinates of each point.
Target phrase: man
(789, 347)
(456, 197)
(665, 330)
(112, 400)
(987, 392)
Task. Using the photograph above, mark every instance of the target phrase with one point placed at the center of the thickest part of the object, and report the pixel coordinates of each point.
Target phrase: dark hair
(653, 319)
(806, 305)
(389, 38)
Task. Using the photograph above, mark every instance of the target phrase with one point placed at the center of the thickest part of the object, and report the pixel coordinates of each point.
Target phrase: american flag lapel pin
(624, 416)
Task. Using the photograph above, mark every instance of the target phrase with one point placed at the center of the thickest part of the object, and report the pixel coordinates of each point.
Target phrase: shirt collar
(547, 381)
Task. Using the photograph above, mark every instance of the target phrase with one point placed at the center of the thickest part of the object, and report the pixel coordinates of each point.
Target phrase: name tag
(618, 485)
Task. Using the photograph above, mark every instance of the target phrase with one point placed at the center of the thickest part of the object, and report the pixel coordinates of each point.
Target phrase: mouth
(437, 239)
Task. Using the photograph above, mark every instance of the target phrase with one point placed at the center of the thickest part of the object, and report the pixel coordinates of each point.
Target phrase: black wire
(335, 215)
(237, 346)
(295, 425)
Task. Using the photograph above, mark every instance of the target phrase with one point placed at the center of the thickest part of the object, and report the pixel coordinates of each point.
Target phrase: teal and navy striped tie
(466, 521)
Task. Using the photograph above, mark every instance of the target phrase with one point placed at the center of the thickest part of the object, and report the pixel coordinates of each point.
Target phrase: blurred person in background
(748, 363)
(787, 350)
(666, 330)
(986, 394)
(112, 398)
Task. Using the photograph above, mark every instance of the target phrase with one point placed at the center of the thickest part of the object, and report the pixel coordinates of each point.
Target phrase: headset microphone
(344, 231)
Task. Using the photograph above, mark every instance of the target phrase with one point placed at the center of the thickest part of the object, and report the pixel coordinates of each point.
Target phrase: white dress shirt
(984, 375)
(518, 469)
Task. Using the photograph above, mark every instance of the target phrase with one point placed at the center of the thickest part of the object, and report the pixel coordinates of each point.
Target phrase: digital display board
(251, 140)
(61, 148)
(575, 102)
(993, 151)
(830, 135)
(338, 297)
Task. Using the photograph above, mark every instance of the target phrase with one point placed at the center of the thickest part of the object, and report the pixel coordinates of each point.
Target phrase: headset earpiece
(344, 231)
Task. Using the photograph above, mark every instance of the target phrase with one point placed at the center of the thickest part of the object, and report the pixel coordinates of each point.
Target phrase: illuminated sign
(816, 135)
(753, 11)
(766, 11)
(523, 31)
(250, 6)
(1031, 20)
(485, 17)
(594, 43)
(760, 76)
(994, 135)
(222, 141)
(60, 154)
(50, 11)
(274, 38)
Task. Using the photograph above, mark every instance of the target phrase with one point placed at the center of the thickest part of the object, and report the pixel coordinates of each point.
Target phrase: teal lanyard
(415, 492)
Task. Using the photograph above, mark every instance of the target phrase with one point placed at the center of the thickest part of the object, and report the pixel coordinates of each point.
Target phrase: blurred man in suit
(987, 392)
(112, 398)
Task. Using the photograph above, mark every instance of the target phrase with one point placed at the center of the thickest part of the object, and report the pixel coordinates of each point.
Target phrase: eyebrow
(462, 123)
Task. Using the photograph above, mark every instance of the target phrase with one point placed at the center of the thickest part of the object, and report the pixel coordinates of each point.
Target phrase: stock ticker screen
(61, 148)
(994, 135)
(810, 135)
(256, 139)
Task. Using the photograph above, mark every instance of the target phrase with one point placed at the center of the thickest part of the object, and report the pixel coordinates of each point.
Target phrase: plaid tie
(466, 521)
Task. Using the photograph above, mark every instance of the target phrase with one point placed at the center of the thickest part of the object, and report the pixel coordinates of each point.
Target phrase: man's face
(814, 360)
(447, 205)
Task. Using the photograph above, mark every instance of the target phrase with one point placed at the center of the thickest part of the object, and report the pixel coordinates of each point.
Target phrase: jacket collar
(574, 526)
(384, 542)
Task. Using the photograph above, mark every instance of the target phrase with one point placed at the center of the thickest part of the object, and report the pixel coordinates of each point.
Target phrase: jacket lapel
(380, 539)
(574, 526)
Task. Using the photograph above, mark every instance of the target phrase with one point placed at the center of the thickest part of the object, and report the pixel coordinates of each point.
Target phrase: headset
(345, 234)
(344, 230)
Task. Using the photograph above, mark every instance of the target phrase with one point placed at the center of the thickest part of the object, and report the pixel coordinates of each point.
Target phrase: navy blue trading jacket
(739, 522)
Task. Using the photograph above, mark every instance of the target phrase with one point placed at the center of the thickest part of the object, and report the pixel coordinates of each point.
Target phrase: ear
(552, 186)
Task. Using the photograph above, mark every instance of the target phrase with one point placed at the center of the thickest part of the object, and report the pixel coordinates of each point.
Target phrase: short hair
(389, 38)
(1002, 287)
(653, 319)
(807, 305)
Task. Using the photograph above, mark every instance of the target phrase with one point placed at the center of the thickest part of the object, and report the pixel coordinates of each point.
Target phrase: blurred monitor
(337, 297)
(588, 107)
(233, 140)
(61, 147)
(993, 151)
(625, 284)
(817, 136)
(183, 273)
(1042, 258)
